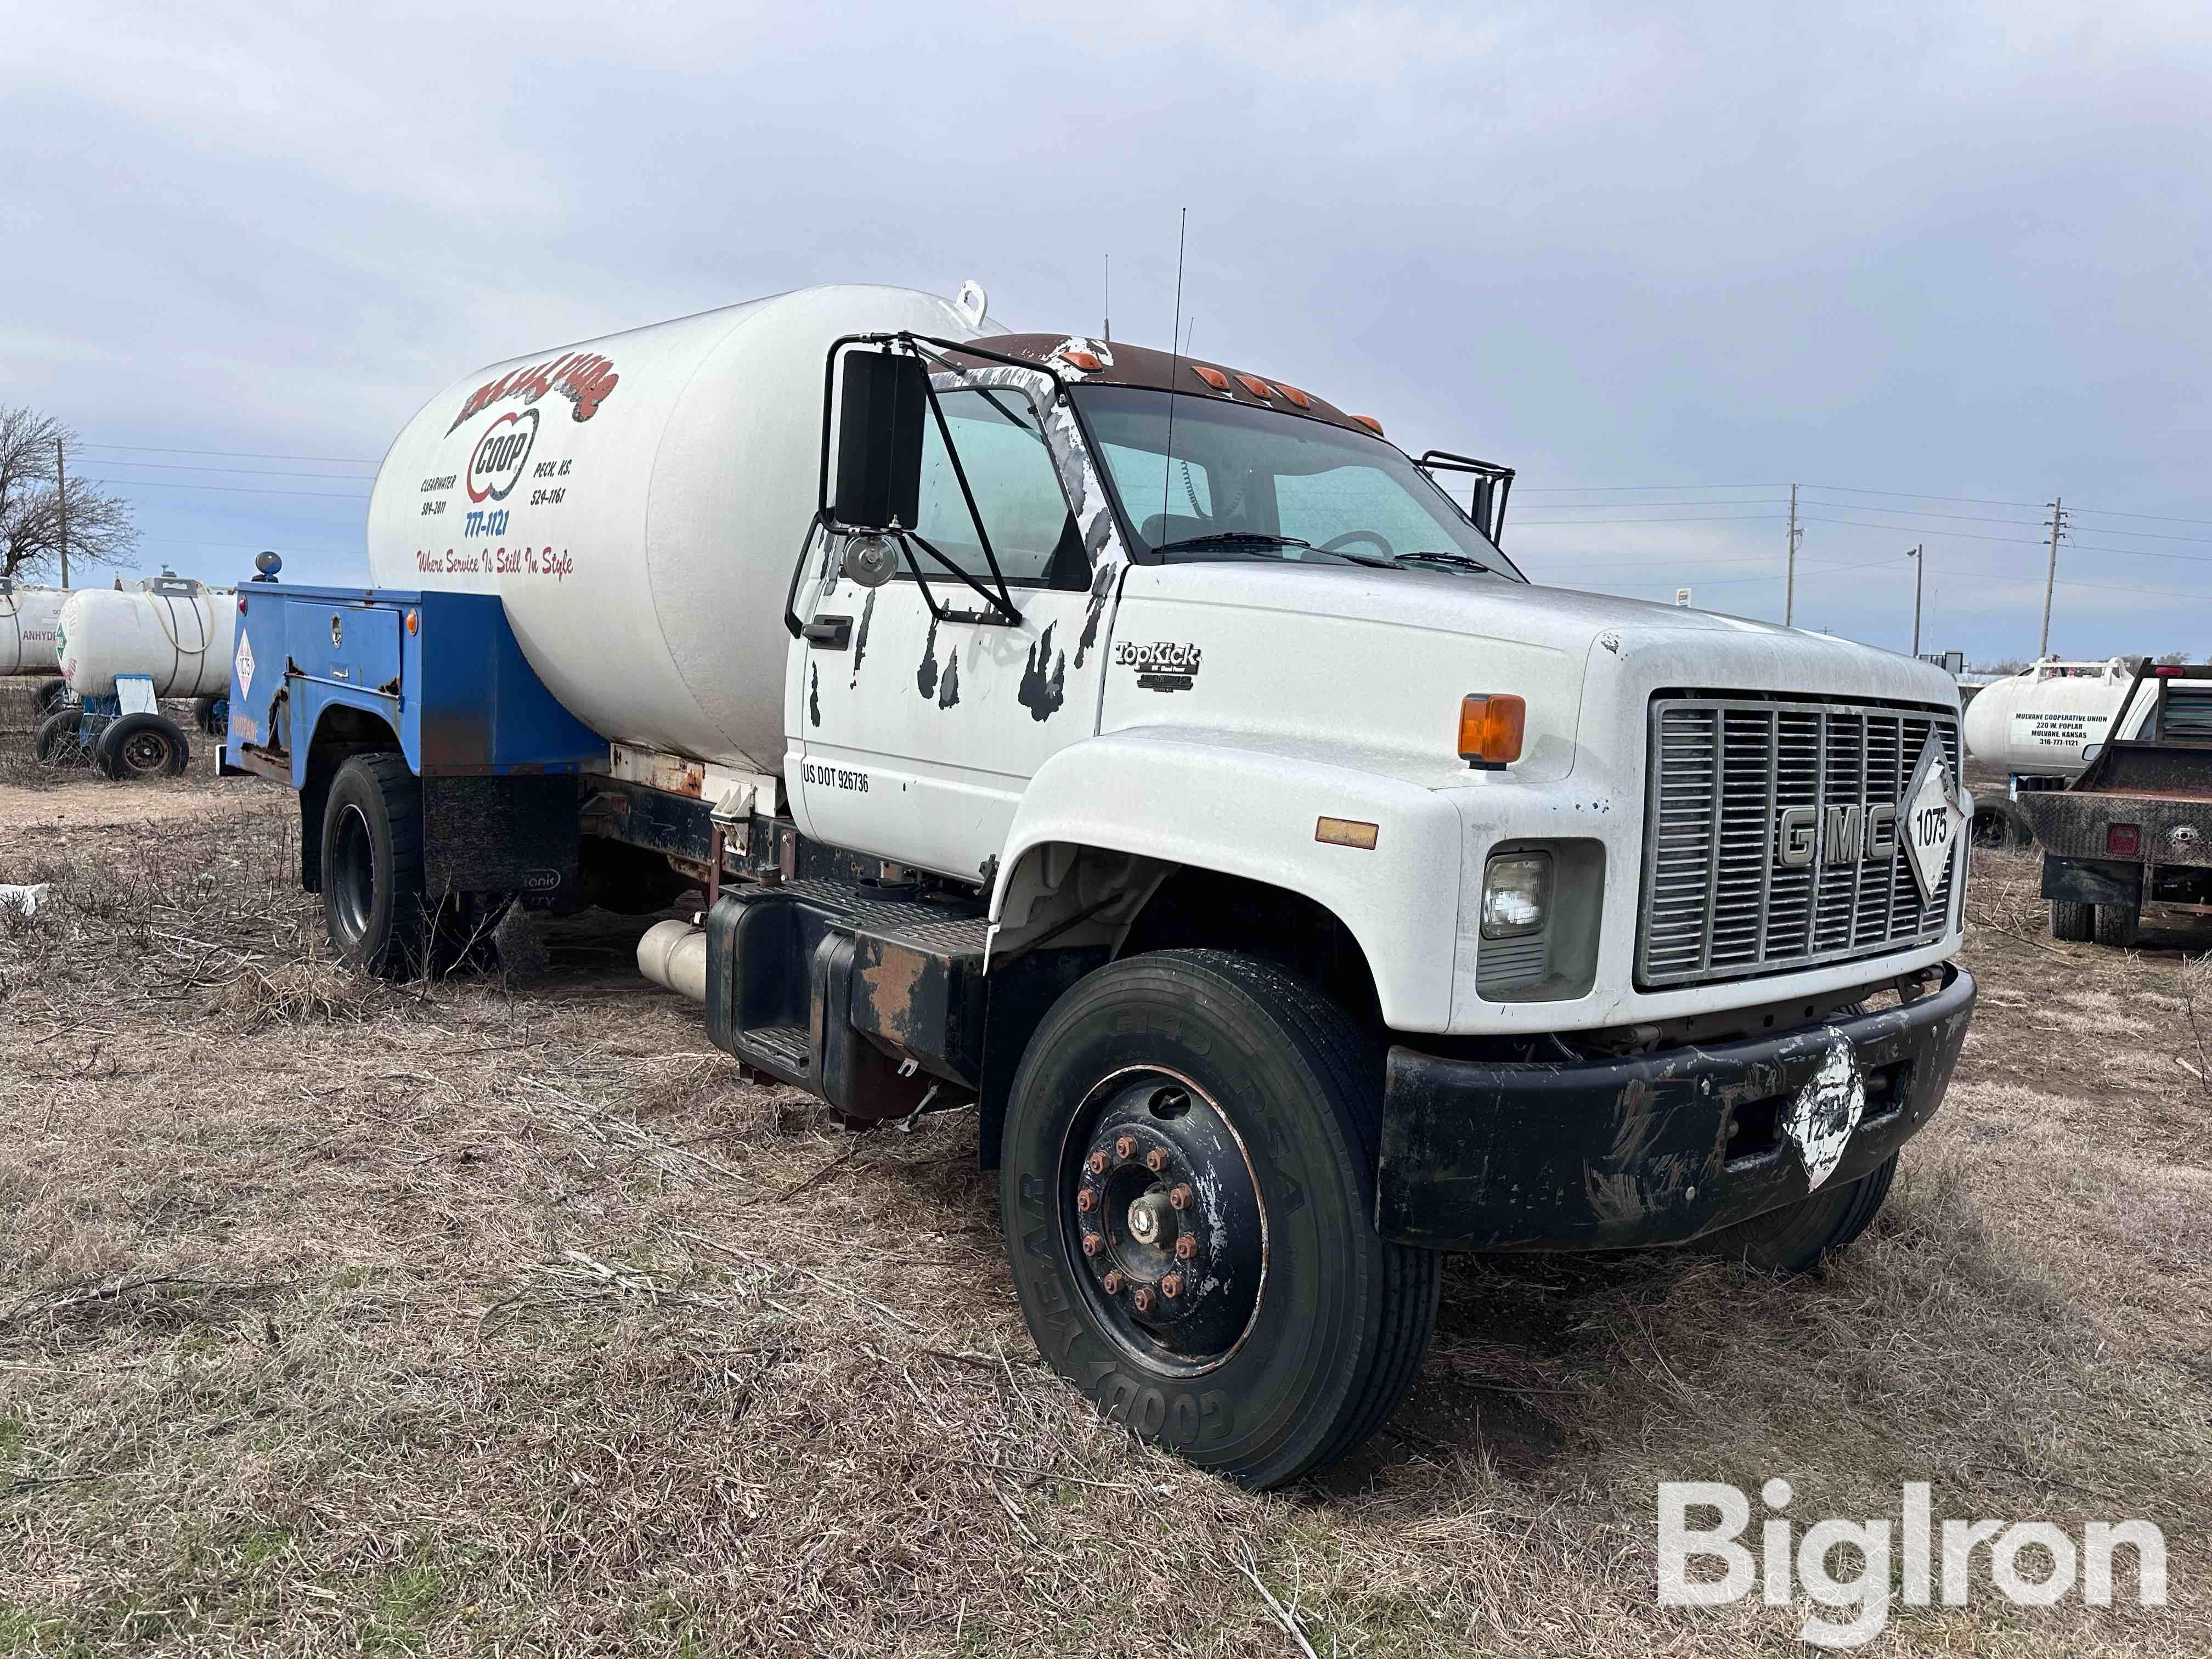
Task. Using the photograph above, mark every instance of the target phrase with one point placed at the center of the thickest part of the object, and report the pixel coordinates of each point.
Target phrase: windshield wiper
(1263, 539)
(1458, 561)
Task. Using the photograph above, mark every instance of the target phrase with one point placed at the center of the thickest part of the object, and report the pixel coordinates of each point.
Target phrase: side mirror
(883, 401)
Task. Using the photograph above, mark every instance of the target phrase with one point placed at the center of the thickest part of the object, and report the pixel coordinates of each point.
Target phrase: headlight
(1517, 893)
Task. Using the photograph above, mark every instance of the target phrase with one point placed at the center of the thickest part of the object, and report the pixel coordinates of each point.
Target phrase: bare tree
(31, 506)
(2173, 656)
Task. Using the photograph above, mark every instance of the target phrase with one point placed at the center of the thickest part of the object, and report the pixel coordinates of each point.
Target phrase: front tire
(142, 746)
(1189, 1198)
(1794, 1238)
(373, 866)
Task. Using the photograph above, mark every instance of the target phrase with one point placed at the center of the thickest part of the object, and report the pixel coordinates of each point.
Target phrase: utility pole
(1919, 571)
(1790, 588)
(2050, 578)
(61, 497)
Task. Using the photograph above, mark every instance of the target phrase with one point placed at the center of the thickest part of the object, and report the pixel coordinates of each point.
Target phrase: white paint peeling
(1826, 1110)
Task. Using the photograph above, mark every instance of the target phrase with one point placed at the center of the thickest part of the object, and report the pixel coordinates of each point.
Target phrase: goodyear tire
(373, 866)
(56, 741)
(2117, 925)
(142, 746)
(1189, 1192)
(2072, 923)
(50, 696)
(1794, 1238)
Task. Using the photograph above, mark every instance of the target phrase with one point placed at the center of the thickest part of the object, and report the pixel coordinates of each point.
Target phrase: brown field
(502, 1318)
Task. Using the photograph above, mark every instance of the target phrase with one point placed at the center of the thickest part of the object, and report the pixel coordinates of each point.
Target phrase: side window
(1016, 490)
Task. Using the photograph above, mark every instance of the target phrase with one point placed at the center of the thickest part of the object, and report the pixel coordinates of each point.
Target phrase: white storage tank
(2048, 719)
(28, 614)
(176, 631)
(638, 502)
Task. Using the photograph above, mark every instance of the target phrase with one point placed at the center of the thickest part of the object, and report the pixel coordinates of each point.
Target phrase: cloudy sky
(1936, 265)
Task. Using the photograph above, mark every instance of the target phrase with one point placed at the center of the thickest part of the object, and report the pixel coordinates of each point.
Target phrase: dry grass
(341, 1317)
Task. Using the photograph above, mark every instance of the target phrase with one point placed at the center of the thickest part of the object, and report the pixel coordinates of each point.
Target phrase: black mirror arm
(1007, 614)
(797, 566)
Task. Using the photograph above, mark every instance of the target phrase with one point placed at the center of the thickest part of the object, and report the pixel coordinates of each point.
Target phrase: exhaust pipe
(673, 955)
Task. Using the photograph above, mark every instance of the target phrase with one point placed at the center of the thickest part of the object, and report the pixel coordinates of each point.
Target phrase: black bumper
(1654, 1150)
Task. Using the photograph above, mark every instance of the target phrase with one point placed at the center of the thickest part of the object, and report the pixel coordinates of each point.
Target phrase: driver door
(915, 733)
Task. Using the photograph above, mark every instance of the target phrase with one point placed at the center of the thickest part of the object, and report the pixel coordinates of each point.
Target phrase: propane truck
(121, 652)
(1147, 753)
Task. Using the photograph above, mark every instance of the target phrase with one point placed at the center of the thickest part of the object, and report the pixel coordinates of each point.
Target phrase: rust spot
(891, 980)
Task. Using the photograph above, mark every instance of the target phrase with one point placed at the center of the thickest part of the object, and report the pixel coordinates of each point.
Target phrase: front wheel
(1796, 1237)
(1188, 1195)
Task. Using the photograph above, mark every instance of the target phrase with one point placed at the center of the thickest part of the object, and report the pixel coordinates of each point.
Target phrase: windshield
(1245, 482)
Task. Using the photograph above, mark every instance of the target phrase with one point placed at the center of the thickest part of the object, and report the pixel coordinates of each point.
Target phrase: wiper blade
(1222, 538)
(1458, 561)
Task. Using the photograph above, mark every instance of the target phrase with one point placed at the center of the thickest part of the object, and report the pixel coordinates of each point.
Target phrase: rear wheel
(56, 740)
(2117, 925)
(2000, 826)
(1794, 1238)
(142, 746)
(373, 866)
(2072, 922)
(1188, 1194)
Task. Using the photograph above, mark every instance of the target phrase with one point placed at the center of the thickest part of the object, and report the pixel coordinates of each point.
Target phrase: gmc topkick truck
(1151, 755)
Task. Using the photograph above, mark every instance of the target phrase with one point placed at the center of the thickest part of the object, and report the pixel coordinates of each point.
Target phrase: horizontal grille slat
(1717, 904)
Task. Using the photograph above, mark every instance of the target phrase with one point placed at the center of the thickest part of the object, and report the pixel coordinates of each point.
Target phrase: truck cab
(1181, 774)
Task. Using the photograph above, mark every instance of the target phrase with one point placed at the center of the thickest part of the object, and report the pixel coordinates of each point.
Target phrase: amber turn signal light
(1490, 729)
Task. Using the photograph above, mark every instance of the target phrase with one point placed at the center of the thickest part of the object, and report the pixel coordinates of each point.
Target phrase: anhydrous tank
(2047, 718)
(181, 637)
(28, 616)
(638, 502)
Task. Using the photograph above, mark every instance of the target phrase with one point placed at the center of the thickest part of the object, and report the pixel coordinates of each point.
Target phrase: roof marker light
(1213, 377)
(1370, 423)
(1297, 398)
(1086, 360)
(1256, 387)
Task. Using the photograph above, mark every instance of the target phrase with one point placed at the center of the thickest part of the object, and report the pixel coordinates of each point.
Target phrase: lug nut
(1086, 1200)
(1186, 1248)
(1113, 1284)
(1172, 1287)
(1095, 1164)
(1180, 1197)
(1156, 1160)
(1142, 1300)
(1126, 1148)
(1092, 1244)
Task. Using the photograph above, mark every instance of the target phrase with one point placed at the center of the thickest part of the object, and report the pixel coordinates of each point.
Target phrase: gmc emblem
(1851, 834)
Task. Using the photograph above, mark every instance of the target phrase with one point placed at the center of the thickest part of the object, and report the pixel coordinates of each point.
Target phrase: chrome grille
(1717, 904)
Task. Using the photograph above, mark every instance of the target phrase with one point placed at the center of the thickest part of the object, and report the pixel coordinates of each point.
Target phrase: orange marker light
(1257, 387)
(1346, 832)
(1213, 377)
(414, 622)
(1490, 729)
(1370, 423)
(1297, 398)
(1086, 360)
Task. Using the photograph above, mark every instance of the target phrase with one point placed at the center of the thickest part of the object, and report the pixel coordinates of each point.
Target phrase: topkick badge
(497, 463)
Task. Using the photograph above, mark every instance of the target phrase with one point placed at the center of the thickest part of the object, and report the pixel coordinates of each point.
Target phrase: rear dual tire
(1262, 1103)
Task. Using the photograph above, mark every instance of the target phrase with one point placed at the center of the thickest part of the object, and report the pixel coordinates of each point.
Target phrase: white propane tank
(28, 617)
(2047, 720)
(637, 501)
(178, 632)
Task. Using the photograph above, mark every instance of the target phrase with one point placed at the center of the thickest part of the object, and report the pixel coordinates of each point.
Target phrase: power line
(234, 489)
(242, 471)
(1702, 518)
(239, 455)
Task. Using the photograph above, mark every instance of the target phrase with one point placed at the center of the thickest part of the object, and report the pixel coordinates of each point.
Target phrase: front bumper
(1662, 1147)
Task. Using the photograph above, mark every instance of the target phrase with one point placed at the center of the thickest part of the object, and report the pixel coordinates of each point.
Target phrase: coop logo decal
(585, 379)
(2031, 1564)
(495, 464)
(244, 662)
(1162, 665)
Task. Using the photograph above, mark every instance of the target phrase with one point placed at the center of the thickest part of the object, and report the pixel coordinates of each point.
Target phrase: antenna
(1106, 332)
(1174, 361)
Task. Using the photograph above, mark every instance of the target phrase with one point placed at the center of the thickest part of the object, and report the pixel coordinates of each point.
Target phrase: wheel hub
(1162, 1200)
